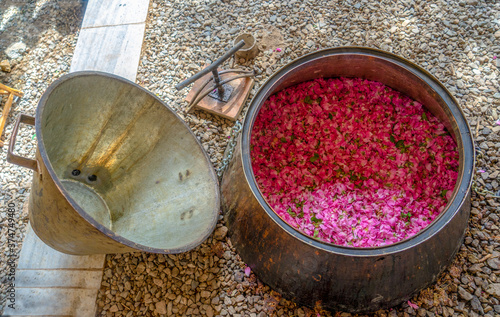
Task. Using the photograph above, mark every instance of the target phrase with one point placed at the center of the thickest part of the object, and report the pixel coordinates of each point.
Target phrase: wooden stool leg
(10, 90)
(5, 114)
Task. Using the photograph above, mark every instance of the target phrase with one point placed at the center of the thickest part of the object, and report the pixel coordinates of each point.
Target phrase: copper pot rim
(462, 187)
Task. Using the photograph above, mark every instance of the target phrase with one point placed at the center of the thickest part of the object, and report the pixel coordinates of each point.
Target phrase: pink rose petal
(247, 271)
(414, 306)
(352, 162)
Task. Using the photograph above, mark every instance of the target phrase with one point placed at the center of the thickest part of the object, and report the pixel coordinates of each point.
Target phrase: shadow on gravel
(24, 21)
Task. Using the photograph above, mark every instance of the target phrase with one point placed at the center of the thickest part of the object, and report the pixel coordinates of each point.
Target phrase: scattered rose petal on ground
(414, 306)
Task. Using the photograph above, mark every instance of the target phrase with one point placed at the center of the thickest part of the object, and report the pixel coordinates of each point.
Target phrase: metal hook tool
(220, 89)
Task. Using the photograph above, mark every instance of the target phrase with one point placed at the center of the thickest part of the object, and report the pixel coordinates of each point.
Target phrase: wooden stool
(4, 90)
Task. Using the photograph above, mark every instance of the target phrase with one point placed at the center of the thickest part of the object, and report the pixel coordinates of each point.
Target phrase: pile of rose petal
(352, 162)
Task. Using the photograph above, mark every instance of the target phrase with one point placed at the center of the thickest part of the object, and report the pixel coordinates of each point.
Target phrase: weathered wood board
(88, 279)
(115, 12)
(54, 302)
(111, 49)
(50, 283)
(34, 255)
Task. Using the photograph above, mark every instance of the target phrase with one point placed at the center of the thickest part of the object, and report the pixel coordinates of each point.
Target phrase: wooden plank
(50, 283)
(35, 254)
(115, 12)
(53, 302)
(5, 114)
(89, 279)
(230, 109)
(112, 49)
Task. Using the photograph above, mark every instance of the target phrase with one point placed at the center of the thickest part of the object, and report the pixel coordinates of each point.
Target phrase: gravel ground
(455, 40)
(37, 41)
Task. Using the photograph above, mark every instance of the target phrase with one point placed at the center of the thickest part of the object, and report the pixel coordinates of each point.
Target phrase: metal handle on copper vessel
(16, 159)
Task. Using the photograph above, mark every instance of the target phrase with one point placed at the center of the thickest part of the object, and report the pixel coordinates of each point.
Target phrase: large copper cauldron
(354, 279)
(116, 170)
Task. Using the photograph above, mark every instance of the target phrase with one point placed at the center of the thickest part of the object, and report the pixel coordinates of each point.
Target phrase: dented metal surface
(119, 171)
(351, 279)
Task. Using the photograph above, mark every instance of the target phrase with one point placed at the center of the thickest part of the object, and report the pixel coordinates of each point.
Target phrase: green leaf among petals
(316, 234)
(392, 139)
(406, 215)
(316, 221)
(400, 144)
(314, 158)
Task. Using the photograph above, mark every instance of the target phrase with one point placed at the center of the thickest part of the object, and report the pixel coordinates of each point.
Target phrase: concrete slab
(88, 279)
(54, 302)
(115, 12)
(112, 49)
(48, 282)
(35, 254)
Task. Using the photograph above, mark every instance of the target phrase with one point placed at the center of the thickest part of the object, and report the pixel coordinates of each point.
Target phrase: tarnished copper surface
(118, 171)
(351, 279)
